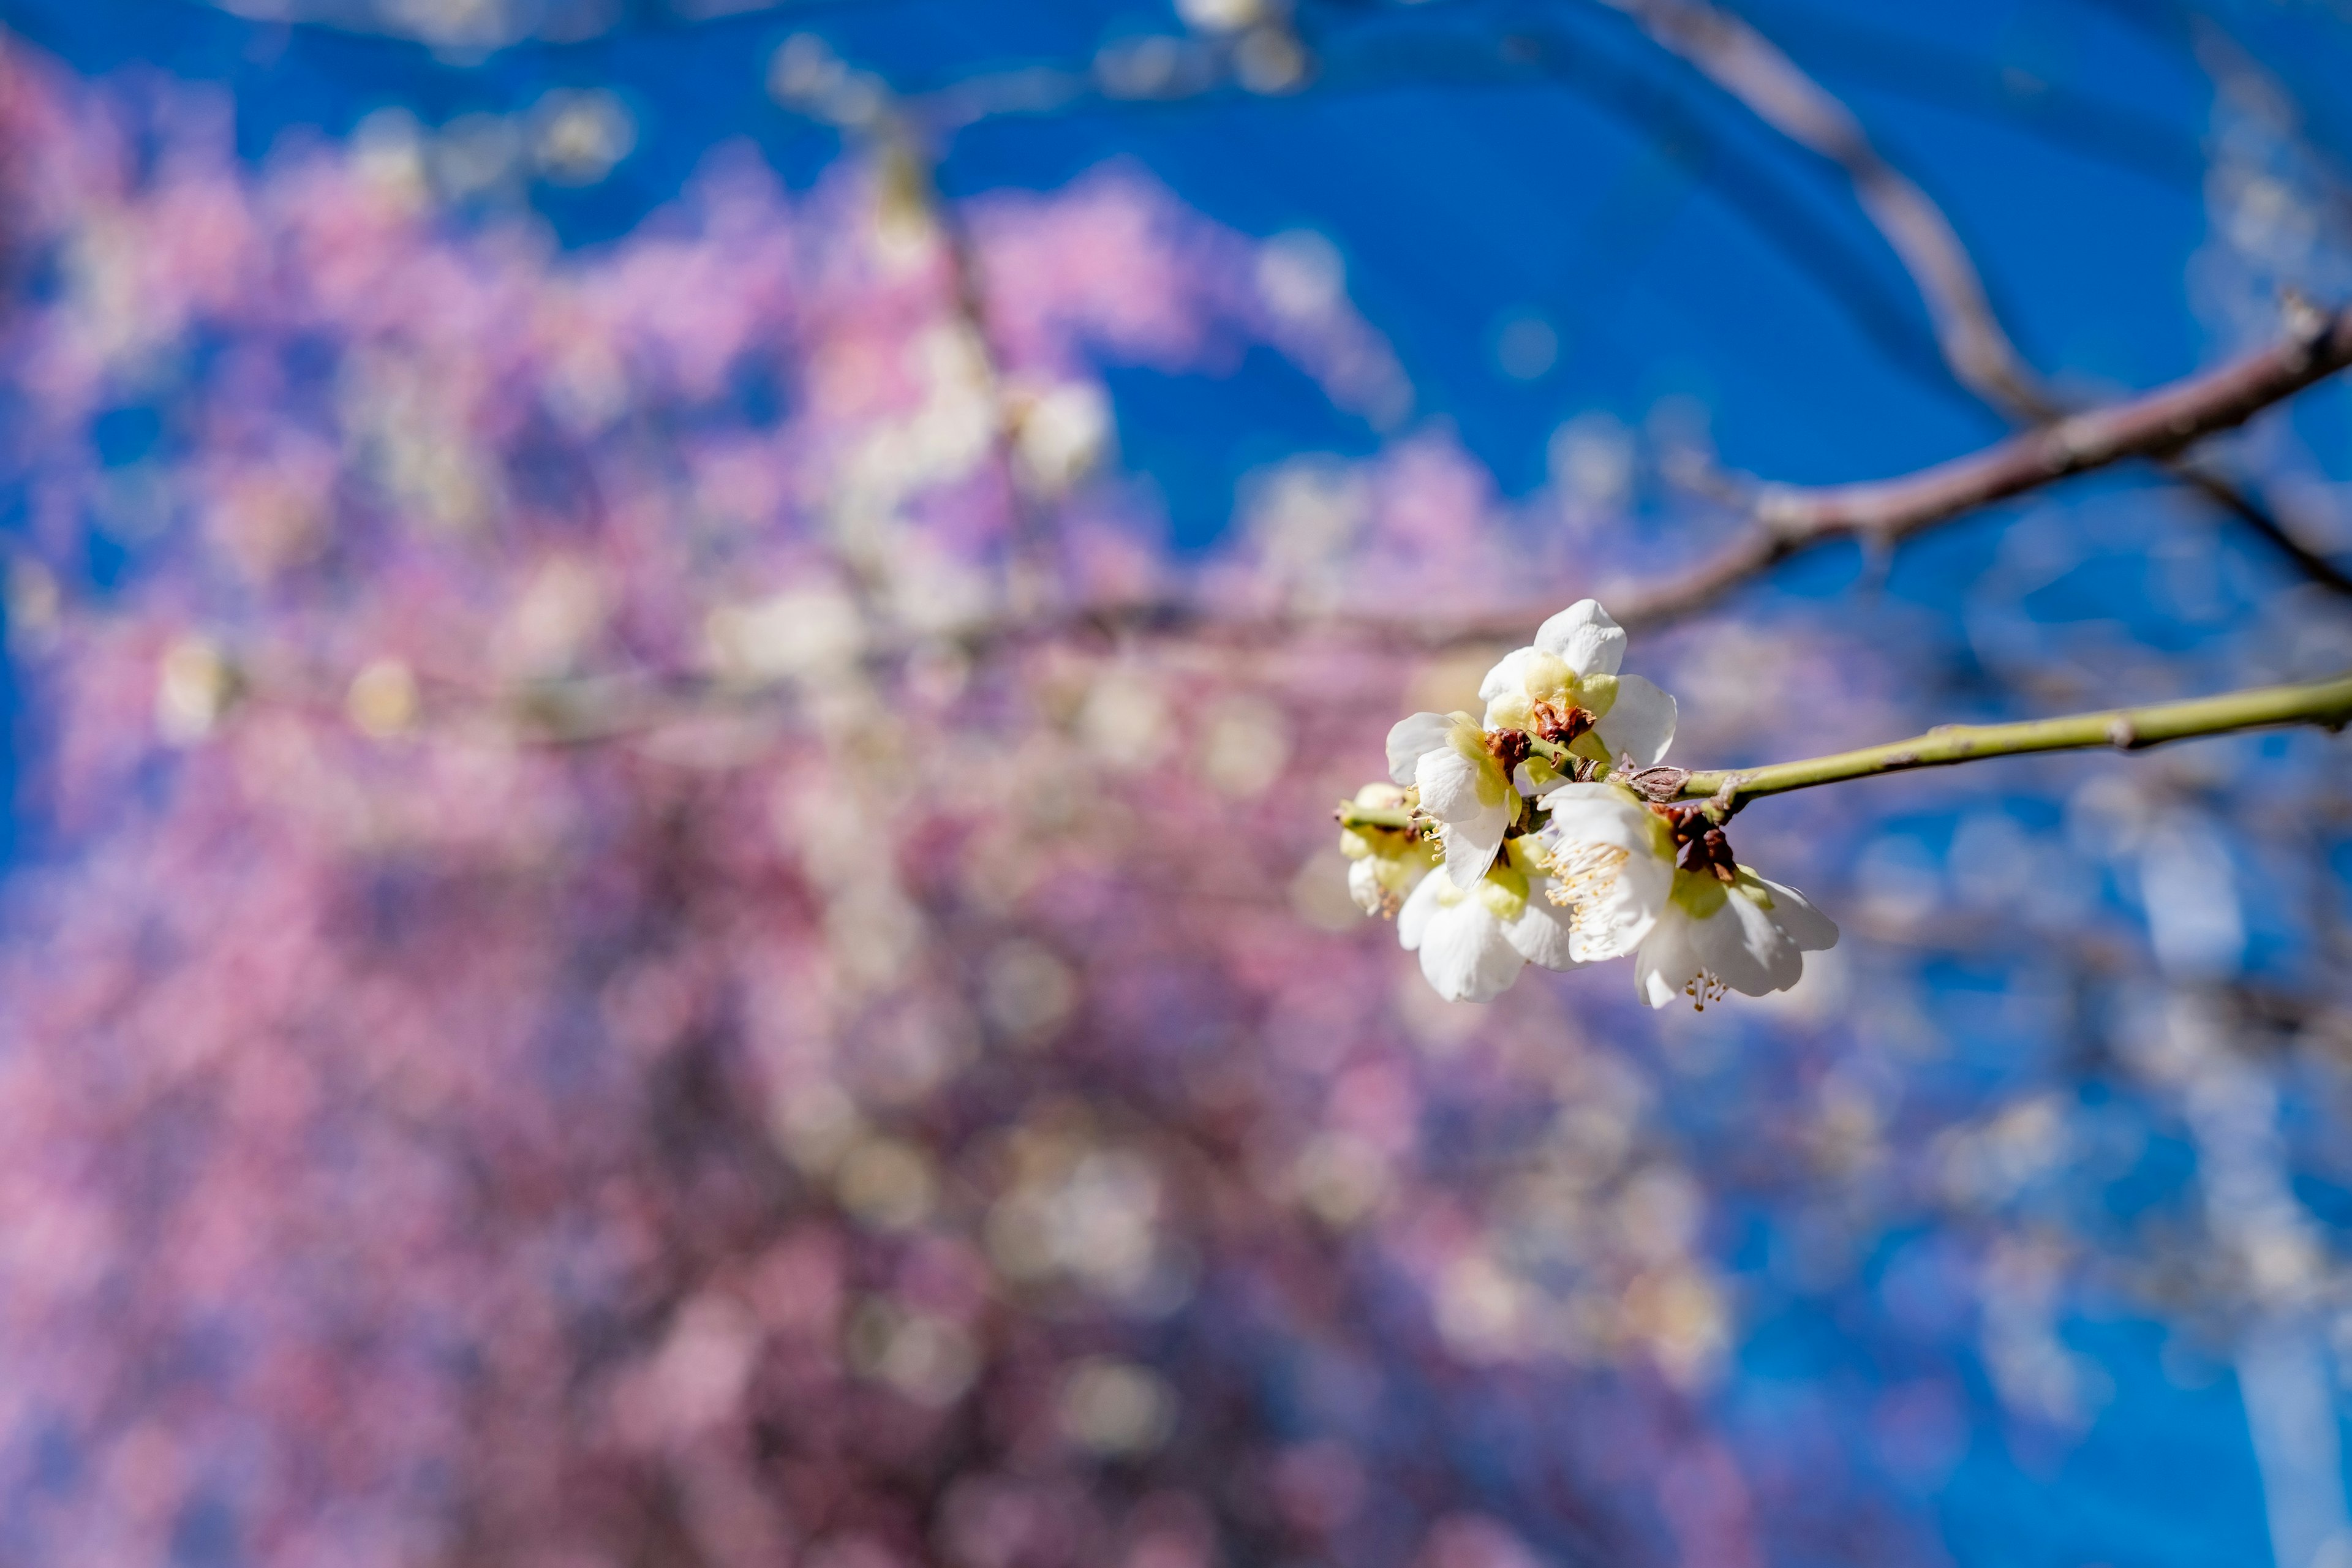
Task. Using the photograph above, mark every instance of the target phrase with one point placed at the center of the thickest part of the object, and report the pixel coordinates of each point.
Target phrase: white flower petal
(1743, 947)
(1584, 636)
(1364, 884)
(1449, 784)
(1471, 842)
(1599, 814)
(1509, 675)
(1543, 935)
(1421, 906)
(1412, 738)
(1465, 955)
(1813, 930)
(1640, 722)
(1664, 968)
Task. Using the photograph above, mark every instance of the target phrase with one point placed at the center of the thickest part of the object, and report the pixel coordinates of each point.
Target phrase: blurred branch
(1979, 353)
(1751, 68)
(2157, 425)
(1889, 60)
(2235, 500)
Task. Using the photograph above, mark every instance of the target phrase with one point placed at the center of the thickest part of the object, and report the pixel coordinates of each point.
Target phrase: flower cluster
(1547, 852)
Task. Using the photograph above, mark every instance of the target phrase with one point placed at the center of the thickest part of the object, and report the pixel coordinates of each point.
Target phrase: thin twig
(2326, 703)
(1753, 70)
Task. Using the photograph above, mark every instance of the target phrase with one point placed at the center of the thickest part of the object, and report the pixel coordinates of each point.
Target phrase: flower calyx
(1700, 846)
(1509, 748)
(1562, 725)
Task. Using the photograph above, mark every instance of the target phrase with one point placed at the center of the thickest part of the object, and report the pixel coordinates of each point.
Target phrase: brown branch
(1753, 70)
(2235, 500)
(2156, 427)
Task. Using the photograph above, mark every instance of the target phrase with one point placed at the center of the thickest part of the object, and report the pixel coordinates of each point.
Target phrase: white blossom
(1384, 865)
(1613, 861)
(1462, 788)
(1658, 884)
(1573, 663)
(1603, 873)
(1474, 941)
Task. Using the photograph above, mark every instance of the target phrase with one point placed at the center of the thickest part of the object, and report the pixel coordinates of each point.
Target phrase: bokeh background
(676, 675)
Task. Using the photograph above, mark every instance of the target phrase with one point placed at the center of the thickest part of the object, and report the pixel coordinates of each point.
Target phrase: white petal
(1509, 674)
(1471, 842)
(1410, 738)
(1813, 930)
(1421, 906)
(1464, 956)
(1641, 722)
(1745, 949)
(1666, 965)
(1542, 935)
(1578, 815)
(1449, 784)
(1586, 637)
(1364, 884)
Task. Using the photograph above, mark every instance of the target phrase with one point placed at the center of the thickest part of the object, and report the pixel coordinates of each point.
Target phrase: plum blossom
(1660, 882)
(1384, 863)
(1463, 788)
(1565, 687)
(1573, 665)
(1474, 941)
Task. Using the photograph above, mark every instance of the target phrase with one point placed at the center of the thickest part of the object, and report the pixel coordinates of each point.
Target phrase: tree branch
(2328, 703)
(1751, 68)
(2156, 426)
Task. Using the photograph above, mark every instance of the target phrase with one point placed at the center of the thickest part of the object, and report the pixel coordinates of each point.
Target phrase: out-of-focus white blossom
(193, 689)
(1221, 15)
(1059, 435)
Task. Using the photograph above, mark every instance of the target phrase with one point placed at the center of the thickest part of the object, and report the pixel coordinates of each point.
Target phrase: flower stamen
(1583, 874)
(1703, 988)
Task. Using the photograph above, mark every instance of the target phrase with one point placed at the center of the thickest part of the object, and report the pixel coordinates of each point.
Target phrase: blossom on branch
(1473, 943)
(1660, 882)
(1543, 869)
(1384, 863)
(1465, 786)
(1571, 668)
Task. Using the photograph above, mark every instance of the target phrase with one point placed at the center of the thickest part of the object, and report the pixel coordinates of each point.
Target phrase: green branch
(2328, 703)
(2323, 702)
